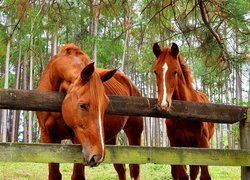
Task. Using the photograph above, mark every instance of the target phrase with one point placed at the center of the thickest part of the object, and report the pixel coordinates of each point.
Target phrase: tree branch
(204, 18)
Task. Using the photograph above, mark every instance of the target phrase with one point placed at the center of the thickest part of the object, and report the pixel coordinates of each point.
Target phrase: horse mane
(185, 71)
(74, 50)
(120, 84)
(126, 81)
(71, 49)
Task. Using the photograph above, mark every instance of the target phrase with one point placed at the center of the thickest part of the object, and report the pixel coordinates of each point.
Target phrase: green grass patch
(37, 171)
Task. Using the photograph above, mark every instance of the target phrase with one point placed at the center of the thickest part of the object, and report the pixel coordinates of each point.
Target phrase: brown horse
(82, 119)
(174, 81)
(121, 85)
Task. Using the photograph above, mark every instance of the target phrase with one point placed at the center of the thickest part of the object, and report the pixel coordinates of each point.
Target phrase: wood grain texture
(122, 105)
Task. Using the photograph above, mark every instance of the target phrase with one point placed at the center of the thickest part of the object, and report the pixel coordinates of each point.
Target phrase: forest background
(213, 36)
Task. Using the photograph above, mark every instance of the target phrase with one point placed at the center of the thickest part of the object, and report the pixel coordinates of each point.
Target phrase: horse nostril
(93, 161)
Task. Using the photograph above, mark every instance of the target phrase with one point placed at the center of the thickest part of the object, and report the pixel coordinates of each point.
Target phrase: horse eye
(175, 72)
(84, 106)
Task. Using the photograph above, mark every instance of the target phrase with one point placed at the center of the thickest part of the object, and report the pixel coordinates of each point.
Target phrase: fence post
(245, 142)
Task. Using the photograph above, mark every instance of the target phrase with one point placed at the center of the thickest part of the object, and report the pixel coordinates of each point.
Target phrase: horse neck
(63, 75)
(184, 90)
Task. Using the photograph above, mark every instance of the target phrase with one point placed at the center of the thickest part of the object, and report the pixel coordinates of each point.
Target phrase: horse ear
(107, 75)
(87, 72)
(174, 50)
(156, 50)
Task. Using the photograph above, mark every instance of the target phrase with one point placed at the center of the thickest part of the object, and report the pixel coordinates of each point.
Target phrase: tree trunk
(126, 43)
(145, 131)
(54, 44)
(16, 113)
(6, 84)
(25, 124)
(157, 132)
(238, 74)
(221, 136)
(164, 132)
(31, 86)
(91, 16)
(127, 27)
(217, 130)
(248, 84)
(96, 20)
(47, 57)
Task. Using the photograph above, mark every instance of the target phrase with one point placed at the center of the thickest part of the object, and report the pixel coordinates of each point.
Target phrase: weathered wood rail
(120, 105)
(44, 153)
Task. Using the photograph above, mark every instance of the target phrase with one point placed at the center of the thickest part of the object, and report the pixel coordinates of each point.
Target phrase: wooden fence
(50, 101)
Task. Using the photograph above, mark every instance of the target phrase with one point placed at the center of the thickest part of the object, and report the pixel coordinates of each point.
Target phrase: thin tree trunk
(157, 132)
(229, 138)
(164, 133)
(238, 74)
(54, 44)
(125, 50)
(96, 20)
(152, 131)
(47, 47)
(91, 15)
(31, 87)
(127, 25)
(248, 84)
(16, 113)
(217, 131)
(145, 131)
(6, 84)
(25, 127)
(221, 136)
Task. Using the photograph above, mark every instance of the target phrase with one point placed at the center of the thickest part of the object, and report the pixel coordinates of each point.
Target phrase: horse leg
(204, 169)
(54, 172)
(78, 170)
(133, 130)
(194, 171)
(205, 173)
(120, 168)
(178, 171)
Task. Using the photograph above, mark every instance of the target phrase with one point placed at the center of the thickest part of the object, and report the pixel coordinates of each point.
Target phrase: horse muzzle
(165, 105)
(92, 160)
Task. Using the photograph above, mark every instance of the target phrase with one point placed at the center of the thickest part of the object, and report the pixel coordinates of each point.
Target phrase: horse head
(83, 111)
(166, 69)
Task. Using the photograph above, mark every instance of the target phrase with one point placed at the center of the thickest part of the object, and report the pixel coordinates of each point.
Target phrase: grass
(37, 171)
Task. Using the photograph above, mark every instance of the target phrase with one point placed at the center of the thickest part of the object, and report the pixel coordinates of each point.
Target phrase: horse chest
(184, 133)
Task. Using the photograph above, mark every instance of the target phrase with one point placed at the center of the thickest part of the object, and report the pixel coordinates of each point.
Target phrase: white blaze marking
(101, 133)
(164, 98)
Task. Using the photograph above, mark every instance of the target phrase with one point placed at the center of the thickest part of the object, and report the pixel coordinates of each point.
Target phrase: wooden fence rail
(123, 105)
(45, 153)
